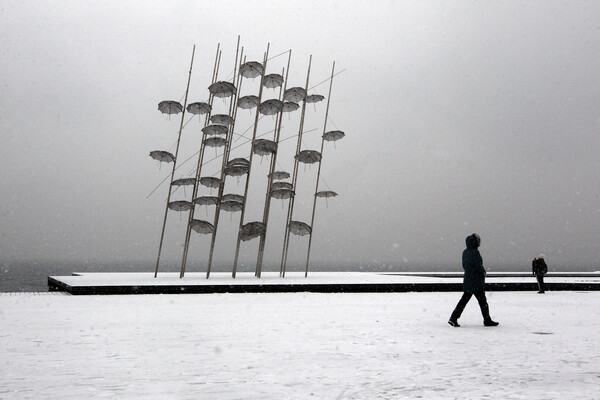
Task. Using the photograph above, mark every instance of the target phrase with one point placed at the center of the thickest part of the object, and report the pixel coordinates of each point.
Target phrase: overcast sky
(460, 117)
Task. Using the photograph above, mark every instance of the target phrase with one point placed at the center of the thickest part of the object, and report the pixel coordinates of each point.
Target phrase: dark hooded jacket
(539, 267)
(474, 278)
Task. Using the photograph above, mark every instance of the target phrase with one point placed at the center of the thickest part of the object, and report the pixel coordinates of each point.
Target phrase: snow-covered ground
(299, 346)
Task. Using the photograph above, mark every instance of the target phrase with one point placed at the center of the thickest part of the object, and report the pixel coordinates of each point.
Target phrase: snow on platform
(274, 346)
(324, 282)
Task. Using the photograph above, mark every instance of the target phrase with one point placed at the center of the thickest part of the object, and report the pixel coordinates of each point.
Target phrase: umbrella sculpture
(206, 200)
(222, 89)
(215, 141)
(233, 197)
(272, 81)
(180, 205)
(252, 230)
(248, 102)
(215, 135)
(170, 107)
(289, 106)
(221, 119)
(200, 226)
(162, 156)
(270, 107)
(280, 175)
(231, 206)
(263, 147)
(213, 130)
(314, 98)
(282, 185)
(199, 108)
(282, 193)
(295, 94)
(210, 182)
(332, 136)
(309, 156)
(299, 228)
(251, 69)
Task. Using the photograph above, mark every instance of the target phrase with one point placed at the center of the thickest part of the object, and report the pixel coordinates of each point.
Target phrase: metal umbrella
(282, 185)
(222, 89)
(162, 156)
(295, 94)
(238, 161)
(215, 141)
(180, 205)
(200, 226)
(231, 206)
(232, 197)
(213, 130)
(248, 102)
(199, 108)
(262, 147)
(289, 106)
(184, 182)
(282, 193)
(221, 119)
(272, 81)
(170, 107)
(270, 107)
(251, 69)
(332, 136)
(280, 175)
(326, 194)
(252, 230)
(210, 182)
(236, 170)
(206, 200)
(300, 228)
(309, 156)
(314, 98)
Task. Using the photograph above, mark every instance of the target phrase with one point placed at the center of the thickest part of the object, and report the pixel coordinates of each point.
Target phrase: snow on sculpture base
(322, 282)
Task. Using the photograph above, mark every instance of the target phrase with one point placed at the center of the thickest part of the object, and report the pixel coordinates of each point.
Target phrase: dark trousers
(462, 303)
(540, 281)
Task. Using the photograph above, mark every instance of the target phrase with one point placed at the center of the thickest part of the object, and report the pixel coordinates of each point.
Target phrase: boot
(489, 322)
(453, 322)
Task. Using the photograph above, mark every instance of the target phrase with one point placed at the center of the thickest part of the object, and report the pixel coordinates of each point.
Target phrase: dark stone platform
(319, 282)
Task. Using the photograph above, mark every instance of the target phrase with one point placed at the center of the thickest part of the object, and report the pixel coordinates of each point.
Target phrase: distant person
(539, 269)
(473, 283)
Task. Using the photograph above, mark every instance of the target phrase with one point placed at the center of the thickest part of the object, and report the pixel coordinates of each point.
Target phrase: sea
(32, 276)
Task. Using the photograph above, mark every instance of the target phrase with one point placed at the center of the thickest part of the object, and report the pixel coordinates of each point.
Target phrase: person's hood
(473, 241)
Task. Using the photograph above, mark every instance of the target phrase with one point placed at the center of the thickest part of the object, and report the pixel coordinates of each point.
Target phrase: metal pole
(232, 103)
(261, 248)
(312, 220)
(260, 90)
(286, 240)
(199, 167)
(162, 235)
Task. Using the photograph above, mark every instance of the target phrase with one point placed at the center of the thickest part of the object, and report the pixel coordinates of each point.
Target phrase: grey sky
(460, 117)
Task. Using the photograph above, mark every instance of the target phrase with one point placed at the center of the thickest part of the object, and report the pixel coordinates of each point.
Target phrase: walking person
(539, 269)
(473, 283)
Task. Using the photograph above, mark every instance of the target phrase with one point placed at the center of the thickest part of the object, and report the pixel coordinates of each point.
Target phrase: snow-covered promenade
(298, 346)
